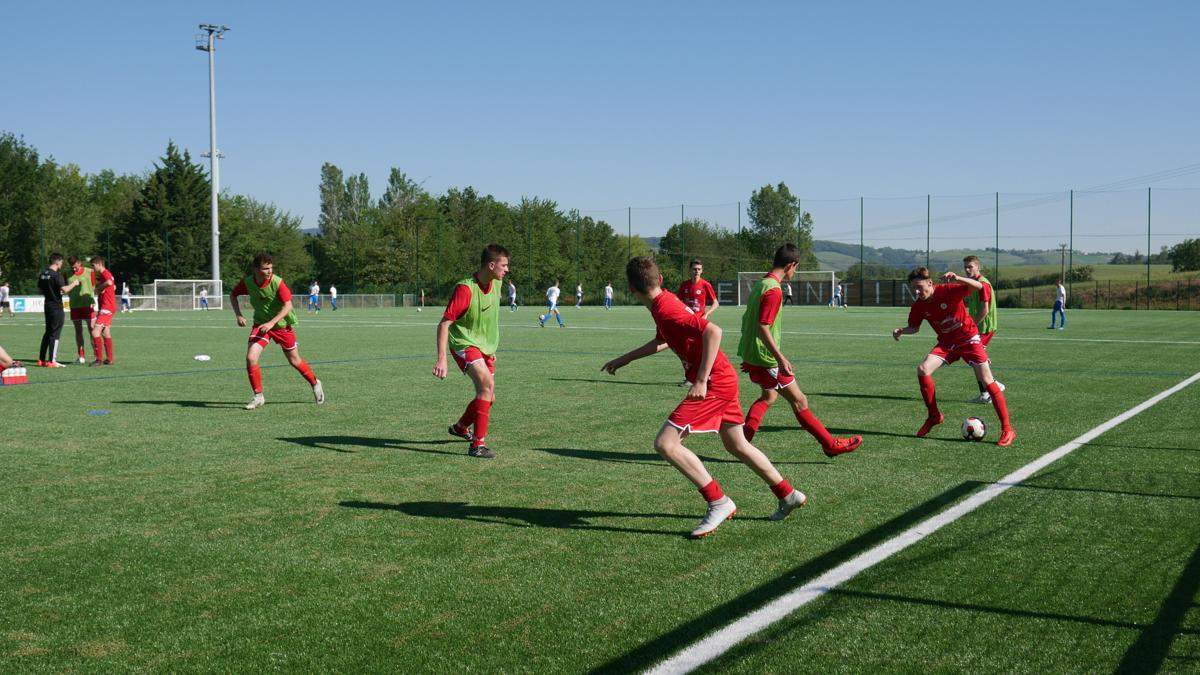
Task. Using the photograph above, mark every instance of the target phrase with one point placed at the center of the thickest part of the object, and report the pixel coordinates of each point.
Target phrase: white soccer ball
(81, 360)
(418, 309)
(974, 429)
(202, 357)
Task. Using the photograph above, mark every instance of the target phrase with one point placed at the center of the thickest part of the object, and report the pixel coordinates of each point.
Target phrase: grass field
(150, 523)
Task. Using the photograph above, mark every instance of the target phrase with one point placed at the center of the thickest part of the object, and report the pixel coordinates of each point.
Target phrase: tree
(1185, 256)
(167, 235)
(250, 227)
(333, 200)
(24, 180)
(775, 219)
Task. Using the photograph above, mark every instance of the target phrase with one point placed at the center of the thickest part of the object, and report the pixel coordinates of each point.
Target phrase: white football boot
(718, 512)
(257, 402)
(788, 504)
(318, 393)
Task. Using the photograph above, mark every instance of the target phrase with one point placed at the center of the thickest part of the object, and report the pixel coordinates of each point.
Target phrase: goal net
(184, 294)
(808, 287)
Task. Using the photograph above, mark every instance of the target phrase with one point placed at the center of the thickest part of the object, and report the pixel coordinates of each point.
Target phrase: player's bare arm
(710, 347)
(764, 334)
(283, 311)
(712, 308)
(443, 340)
(951, 276)
(649, 349)
(237, 310)
(905, 330)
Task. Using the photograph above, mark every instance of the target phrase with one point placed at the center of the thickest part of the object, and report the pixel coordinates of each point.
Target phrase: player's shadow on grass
(642, 457)
(671, 385)
(332, 443)
(200, 404)
(880, 397)
(519, 516)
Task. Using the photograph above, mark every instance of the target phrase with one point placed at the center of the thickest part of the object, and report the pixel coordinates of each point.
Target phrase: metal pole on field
(1148, 248)
(739, 217)
(996, 271)
(861, 255)
(629, 233)
(214, 33)
(681, 214)
(1071, 245)
(928, 200)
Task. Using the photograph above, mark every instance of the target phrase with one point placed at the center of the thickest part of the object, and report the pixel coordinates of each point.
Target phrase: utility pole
(1062, 261)
(206, 42)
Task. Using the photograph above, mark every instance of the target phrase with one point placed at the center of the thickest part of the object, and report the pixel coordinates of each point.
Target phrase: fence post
(861, 254)
(997, 236)
(1071, 249)
(1148, 248)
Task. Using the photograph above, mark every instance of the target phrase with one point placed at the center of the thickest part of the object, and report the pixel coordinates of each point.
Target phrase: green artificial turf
(148, 522)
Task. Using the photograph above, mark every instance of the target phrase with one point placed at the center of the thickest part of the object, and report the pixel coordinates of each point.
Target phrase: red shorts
(707, 415)
(972, 351)
(767, 378)
(470, 355)
(284, 337)
(986, 337)
(81, 313)
(104, 318)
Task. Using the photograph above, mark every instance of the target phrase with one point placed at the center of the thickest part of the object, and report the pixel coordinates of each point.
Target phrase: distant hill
(839, 256)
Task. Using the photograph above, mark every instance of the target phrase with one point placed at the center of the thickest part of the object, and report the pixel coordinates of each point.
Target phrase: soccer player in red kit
(470, 329)
(711, 404)
(764, 362)
(696, 293)
(957, 338)
(106, 291)
(274, 319)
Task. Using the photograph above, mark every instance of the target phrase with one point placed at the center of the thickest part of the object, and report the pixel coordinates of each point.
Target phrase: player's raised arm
(649, 349)
(966, 281)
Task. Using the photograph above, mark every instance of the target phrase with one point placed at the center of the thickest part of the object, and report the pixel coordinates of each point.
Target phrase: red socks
(782, 489)
(110, 353)
(468, 416)
(255, 374)
(754, 417)
(482, 412)
(1000, 404)
(928, 394)
(476, 417)
(98, 348)
(813, 426)
(307, 372)
(712, 492)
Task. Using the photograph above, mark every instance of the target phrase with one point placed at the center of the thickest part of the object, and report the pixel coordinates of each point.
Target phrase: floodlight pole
(214, 33)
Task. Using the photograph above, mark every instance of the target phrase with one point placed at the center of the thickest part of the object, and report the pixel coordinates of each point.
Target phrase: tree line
(156, 224)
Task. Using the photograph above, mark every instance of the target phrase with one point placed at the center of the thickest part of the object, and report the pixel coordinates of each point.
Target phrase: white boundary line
(721, 641)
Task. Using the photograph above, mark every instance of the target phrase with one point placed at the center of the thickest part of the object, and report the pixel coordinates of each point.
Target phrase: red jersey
(108, 294)
(683, 331)
(946, 313)
(697, 294)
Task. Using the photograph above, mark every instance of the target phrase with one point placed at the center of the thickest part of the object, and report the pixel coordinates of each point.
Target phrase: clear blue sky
(637, 103)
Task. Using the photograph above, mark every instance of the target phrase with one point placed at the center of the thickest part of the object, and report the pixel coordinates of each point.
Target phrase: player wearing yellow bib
(981, 305)
(763, 360)
(82, 301)
(470, 329)
(274, 320)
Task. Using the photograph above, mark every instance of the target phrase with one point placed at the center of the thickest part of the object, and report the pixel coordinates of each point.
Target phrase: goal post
(809, 287)
(186, 294)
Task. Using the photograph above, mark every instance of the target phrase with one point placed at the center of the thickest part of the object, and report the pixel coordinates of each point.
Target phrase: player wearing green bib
(274, 320)
(81, 299)
(470, 330)
(981, 305)
(763, 360)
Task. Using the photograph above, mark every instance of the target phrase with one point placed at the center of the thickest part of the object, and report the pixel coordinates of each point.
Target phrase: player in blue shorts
(552, 294)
